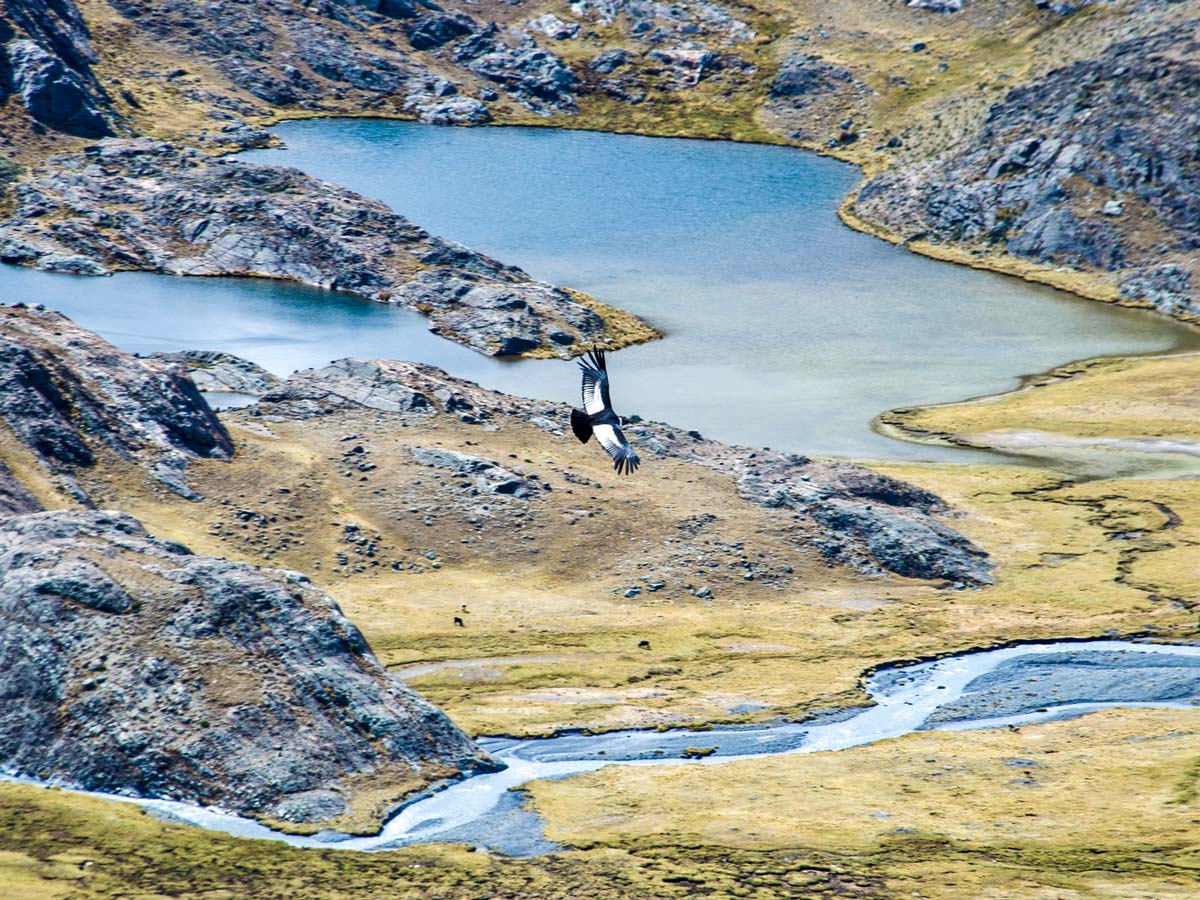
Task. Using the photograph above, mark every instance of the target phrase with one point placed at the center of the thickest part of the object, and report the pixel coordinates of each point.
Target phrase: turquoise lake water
(783, 327)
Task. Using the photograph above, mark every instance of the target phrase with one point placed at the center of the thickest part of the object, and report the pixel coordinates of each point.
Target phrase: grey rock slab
(214, 370)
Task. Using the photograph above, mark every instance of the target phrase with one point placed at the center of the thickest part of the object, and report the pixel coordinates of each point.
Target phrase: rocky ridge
(854, 516)
(143, 204)
(1092, 167)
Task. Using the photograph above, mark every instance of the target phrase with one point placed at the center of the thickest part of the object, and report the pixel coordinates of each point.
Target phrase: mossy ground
(1139, 398)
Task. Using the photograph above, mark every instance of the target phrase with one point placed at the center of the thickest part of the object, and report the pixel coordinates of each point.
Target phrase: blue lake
(783, 327)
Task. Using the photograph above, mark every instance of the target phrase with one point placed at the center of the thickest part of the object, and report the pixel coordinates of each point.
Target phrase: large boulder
(52, 93)
(129, 665)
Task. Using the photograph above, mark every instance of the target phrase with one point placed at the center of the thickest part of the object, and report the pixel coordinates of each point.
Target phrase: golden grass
(1147, 397)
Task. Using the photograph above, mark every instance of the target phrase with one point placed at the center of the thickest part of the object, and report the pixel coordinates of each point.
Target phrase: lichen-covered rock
(855, 516)
(447, 110)
(143, 204)
(70, 396)
(1092, 166)
(127, 664)
(435, 29)
(553, 27)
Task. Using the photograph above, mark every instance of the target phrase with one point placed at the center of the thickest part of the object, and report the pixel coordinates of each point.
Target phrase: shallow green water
(784, 328)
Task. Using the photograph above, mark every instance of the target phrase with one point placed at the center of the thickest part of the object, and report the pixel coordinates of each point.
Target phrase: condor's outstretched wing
(612, 439)
(595, 383)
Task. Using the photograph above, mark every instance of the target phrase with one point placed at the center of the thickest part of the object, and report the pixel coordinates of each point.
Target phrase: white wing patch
(593, 391)
(612, 439)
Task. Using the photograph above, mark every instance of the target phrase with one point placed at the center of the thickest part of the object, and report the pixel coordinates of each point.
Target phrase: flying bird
(597, 416)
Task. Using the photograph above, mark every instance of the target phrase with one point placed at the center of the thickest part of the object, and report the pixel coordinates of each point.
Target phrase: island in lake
(306, 588)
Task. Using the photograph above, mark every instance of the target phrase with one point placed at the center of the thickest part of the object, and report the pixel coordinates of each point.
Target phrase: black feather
(581, 424)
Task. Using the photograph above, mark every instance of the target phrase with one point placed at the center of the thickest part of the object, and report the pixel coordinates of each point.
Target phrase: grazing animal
(643, 645)
(459, 622)
(597, 416)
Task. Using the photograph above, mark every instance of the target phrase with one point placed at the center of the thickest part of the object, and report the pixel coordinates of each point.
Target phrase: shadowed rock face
(128, 664)
(142, 204)
(47, 61)
(855, 516)
(1091, 165)
(68, 395)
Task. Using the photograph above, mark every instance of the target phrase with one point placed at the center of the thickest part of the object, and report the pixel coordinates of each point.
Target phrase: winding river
(784, 328)
(1014, 685)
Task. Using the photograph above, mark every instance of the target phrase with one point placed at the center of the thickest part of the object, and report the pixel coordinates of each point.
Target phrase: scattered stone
(853, 516)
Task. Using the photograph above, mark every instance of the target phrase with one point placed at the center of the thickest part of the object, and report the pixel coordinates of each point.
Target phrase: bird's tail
(581, 424)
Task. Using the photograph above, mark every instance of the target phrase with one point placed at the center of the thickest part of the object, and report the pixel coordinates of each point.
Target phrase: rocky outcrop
(46, 59)
(71, 398)
(537, 78)
(129, 665)
(1092, 166)
(854, 516)
(212, 370)
(143, 204)
(52, 93)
